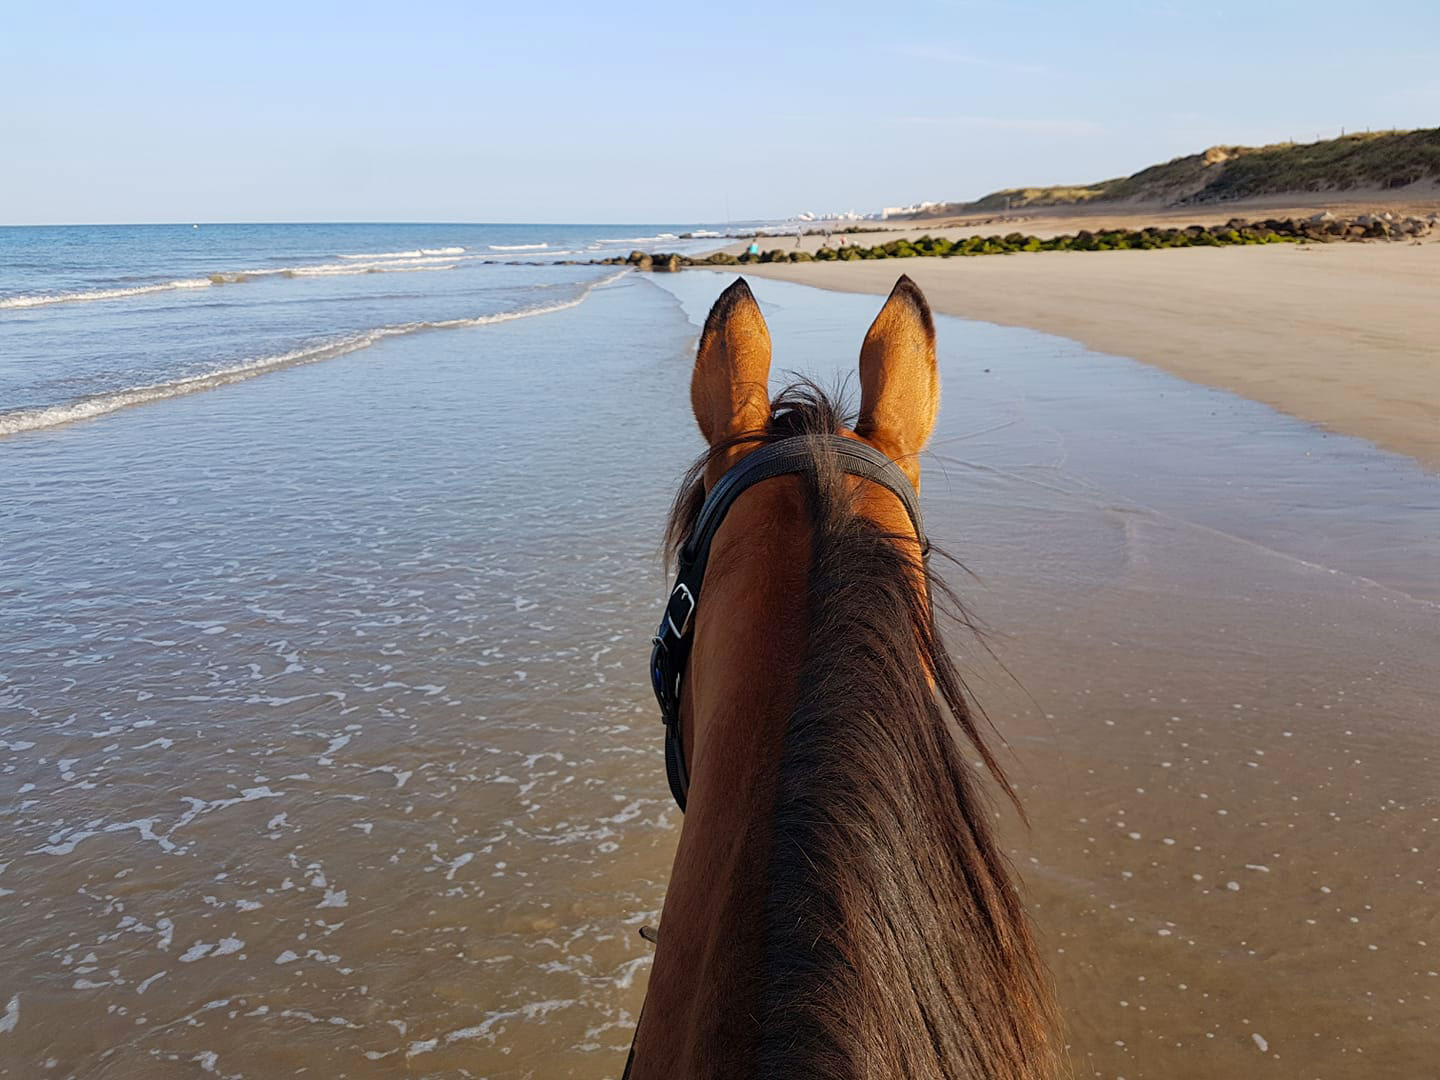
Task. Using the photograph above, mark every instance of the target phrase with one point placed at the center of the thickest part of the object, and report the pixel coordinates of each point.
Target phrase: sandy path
(1343, 335)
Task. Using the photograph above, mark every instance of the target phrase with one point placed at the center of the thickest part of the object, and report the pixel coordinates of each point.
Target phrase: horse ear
(730, 389)
(899, 381)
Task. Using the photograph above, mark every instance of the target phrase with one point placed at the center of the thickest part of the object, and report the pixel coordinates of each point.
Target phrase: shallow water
(326, 744)
(99, 318)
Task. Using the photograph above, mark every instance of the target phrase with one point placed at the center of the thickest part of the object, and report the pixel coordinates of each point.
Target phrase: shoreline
(1339, 335)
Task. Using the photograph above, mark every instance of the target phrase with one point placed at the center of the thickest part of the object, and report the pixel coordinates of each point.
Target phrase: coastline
(1339, 335)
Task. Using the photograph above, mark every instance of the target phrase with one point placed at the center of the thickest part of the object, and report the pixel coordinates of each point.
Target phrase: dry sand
(1346, 336)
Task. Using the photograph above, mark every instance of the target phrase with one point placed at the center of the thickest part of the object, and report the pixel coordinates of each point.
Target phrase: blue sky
(647, 113)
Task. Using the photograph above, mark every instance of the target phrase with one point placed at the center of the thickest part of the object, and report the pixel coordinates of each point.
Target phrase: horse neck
(838, 905)
(702, 1000)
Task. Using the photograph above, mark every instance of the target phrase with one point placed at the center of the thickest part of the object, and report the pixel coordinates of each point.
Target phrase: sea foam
(45, 299)
(413, 254)
(32, 419)
(387, 263)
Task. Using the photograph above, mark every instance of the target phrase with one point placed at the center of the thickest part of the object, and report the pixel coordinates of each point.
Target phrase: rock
(635, 257)
(671, 263)
(645, 262)
(1355, 231)
(1317, 219)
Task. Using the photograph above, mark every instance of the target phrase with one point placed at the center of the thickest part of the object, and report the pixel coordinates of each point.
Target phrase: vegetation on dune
(1386, 159)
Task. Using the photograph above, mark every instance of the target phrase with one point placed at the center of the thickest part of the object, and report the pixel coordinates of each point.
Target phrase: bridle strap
(673, 640)
(798, 454)
(789, 456)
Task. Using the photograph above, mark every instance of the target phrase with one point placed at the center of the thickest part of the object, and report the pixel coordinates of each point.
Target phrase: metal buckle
(682, 592)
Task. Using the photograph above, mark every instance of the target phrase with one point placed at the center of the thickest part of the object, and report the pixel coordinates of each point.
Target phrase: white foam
(377, 266)
(518, 247)
(145, 827)
(224, 947)
(32, 419)
(34, 300)
(413, 254)
(641, 239)
(385, 262)
(12, 1015)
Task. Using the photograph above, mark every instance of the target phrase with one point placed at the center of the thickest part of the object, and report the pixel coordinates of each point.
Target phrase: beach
(1342, 335)
(326, 737)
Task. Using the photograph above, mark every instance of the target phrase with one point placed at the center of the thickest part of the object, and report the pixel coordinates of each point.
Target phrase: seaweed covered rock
(1317, 228)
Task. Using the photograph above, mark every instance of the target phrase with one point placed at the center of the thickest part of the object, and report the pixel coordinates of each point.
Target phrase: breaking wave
(518, 247)
(390, 263)
(32, 419)
(415, 254)
(44, 299)
(639, 239)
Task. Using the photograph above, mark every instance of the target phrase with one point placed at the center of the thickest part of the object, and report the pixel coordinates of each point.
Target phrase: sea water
(326, 741)
(94, 319)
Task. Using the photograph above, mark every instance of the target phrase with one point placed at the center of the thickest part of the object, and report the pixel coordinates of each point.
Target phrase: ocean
(94, 319)
(326, 740)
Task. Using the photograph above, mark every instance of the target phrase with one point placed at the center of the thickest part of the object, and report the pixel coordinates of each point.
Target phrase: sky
(674, 113)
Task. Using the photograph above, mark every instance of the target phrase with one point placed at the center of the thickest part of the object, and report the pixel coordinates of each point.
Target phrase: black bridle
(676, 634)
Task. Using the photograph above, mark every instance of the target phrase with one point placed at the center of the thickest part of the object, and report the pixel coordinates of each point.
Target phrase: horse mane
(896, 943)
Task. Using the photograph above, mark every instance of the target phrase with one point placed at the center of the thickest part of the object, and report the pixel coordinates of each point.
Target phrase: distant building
(901, 211)
(838, 215)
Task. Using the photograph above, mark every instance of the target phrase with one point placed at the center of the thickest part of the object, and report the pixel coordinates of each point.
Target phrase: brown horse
(838, 905)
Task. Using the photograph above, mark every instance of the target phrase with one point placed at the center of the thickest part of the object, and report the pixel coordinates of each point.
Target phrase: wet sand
(325, 746)
(1220, 708)
(1343, 335)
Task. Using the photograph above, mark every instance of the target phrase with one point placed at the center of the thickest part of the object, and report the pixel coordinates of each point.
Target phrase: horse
(838, 906)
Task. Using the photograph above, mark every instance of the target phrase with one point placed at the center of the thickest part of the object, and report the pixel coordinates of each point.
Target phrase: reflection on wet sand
(325, 739)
